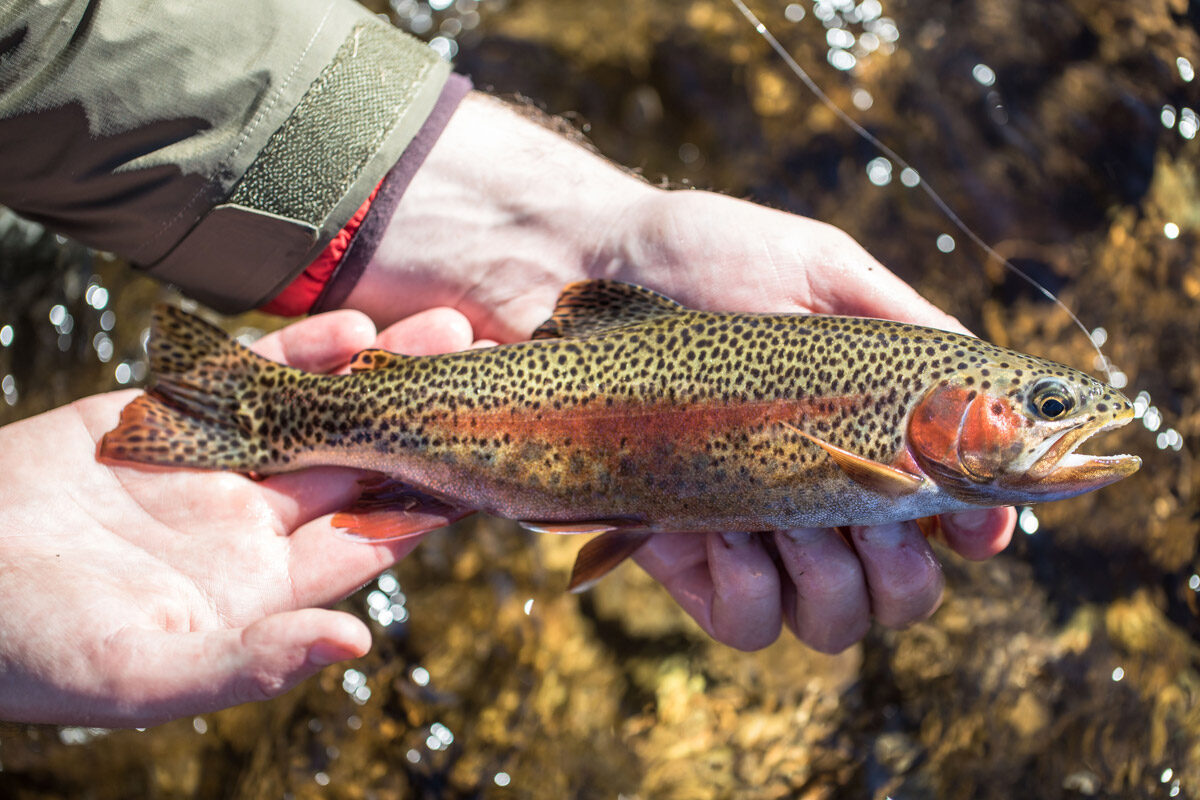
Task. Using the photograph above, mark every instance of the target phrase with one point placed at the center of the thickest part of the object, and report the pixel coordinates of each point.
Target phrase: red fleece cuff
(302, 293)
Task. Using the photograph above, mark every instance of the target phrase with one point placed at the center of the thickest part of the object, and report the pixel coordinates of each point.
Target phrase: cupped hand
(505, 213)
(134, 595)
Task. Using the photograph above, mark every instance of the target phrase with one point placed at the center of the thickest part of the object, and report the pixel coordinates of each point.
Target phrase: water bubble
(377, 599)
(1189, 123)
(387, 582)
(824, 11)
(1167, 115)
(909, 177)
(984, 74)
(689, 153)
(199, 725)
(794, 12)
(1166, 775)
(1185, 69)
(442, 733)
(421, 22)
(1117, 674)
(321, 778)
(879, 171)
(1174, 789)
(840, 59)
(445, 47)
(57, 314)
(413, 757)
(502, 779)
(1140, 404)
(107, 320)
(1027, 521)
(362, 694)
(420, 676)
(1171, 230)
(354, 722)
(451, 27)
(6, 336)
(1194, 582)
(885, 28)
(123, 373)
(869, 10)
(528, 608)
(1099, 337)
(839, 37)
(1152, 419)
(861, 98)
(945, 243)
(96, 296)
(8, 384)
(440, 5)
(352, 679)
(1118, 379)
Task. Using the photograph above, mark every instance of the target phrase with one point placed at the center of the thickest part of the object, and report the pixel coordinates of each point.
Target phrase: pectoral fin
(388, 511)
(601, 555)
(887, 481)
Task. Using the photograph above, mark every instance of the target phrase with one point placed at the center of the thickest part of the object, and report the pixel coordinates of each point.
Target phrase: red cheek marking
(934, 427)
(991, 436)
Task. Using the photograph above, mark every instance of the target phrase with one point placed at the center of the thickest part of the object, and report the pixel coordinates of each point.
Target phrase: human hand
(498, 233)
(133, 595)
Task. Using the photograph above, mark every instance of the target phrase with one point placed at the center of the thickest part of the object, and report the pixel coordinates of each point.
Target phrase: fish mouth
(1062, 472)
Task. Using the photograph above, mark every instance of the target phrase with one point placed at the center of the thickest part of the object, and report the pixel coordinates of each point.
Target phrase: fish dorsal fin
(377, 359)
(887, 481)
(588, 307)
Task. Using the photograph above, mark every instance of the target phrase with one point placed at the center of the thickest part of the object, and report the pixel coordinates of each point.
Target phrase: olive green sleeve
(218, 144)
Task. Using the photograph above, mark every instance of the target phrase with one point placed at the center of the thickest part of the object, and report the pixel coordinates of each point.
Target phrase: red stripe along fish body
(629, 411)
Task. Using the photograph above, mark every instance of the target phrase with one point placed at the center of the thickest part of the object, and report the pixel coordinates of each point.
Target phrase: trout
(627, 413)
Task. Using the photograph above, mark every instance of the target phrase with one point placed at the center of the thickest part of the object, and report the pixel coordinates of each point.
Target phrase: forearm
(220, 145)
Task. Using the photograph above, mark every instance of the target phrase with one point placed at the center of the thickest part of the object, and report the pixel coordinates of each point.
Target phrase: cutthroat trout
(629, 412)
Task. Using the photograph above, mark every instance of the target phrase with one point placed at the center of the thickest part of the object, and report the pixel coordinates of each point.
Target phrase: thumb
(178, 674)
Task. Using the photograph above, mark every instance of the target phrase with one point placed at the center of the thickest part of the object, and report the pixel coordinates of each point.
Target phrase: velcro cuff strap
(349, 128)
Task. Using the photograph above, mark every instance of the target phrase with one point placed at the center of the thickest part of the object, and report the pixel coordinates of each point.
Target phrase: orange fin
(587, 307)
(881, 478)
(375, 358)
(601, 555)
(587, 526)
(931, 528)
(388, 510)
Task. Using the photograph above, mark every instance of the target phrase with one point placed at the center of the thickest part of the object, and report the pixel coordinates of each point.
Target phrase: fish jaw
(983, 450)
(1061, 472)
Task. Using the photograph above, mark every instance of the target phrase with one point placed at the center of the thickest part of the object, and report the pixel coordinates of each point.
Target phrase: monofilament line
(941, 204)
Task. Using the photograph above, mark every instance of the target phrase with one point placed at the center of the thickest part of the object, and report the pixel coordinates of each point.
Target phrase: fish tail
(204, 406)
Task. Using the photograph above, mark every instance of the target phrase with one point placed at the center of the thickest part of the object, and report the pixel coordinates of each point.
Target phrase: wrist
(503, 213)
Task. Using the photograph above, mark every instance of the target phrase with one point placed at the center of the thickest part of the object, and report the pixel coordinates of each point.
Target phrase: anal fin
(586, 526)
(601, 556)
(887, 481)
(388, 510)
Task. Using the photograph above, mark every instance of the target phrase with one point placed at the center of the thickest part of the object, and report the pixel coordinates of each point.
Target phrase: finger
(979, 534)
(325, 565)
(161, 676)
(858, 285)
(726, 582)
(435, 330)
(319, 343)
(300, 497)
(829, 607)
(746, 609)
(904, 578)
(480, 344)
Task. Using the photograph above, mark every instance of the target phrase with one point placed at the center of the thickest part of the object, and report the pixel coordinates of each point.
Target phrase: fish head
(1005, 430)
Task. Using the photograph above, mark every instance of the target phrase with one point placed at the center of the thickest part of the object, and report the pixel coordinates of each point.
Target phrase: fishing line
(941, 204)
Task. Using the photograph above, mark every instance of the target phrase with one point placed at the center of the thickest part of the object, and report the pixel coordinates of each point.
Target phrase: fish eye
(1051, 399)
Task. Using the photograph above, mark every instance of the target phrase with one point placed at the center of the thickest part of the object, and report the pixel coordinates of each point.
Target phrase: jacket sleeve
(218, 144)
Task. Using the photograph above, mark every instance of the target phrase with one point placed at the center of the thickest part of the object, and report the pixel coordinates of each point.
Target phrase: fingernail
(322, 654)
(804, 535)
(735, 538)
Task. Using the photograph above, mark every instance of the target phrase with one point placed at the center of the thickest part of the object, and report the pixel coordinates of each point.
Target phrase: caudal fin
(203, 407)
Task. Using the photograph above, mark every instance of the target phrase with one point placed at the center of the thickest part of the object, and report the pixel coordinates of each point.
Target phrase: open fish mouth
(1062, 471)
